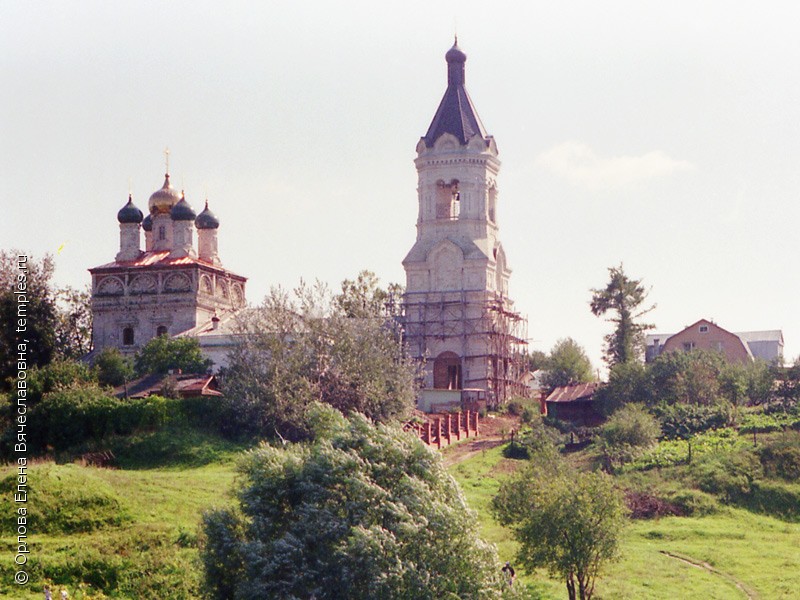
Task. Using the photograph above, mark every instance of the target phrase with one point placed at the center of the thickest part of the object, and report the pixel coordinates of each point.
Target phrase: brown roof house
(575, 403)
(187, 385)
(707, 335)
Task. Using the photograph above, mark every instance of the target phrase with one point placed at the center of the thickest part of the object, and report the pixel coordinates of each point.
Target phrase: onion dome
(147, 224)
(129, 213)
(182, 211)
(455, 54)
(206, 219)
(164, 199)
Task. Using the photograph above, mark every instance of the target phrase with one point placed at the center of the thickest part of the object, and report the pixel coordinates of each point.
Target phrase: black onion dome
(206, 219)
(129, 213)
(182, 211)
(147, 224)
(455, 54)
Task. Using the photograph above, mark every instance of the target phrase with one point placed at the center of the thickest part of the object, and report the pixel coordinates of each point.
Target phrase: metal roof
(573, 393)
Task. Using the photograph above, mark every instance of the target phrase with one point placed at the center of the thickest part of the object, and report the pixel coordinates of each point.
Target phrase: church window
(162, 233)
(161, 330)
(127, 336)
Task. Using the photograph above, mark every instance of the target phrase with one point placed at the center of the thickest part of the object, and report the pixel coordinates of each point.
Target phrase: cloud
(578, 163)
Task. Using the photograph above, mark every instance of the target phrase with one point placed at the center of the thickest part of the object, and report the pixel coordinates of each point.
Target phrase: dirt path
(751, 595)
(464, 450)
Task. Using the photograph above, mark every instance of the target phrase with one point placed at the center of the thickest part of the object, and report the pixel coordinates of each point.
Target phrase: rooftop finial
(166, 159)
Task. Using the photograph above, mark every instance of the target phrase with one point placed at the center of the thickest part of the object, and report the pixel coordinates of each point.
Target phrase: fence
(443, 430)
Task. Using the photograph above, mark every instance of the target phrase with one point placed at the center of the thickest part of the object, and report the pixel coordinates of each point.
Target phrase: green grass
(759, 551)
(130, 533)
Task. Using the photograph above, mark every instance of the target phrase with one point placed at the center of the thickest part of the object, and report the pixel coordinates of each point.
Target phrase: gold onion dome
(162, 201)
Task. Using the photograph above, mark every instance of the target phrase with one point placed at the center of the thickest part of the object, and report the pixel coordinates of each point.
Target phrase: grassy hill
(731, 554)
(122, 533)
(132, 531)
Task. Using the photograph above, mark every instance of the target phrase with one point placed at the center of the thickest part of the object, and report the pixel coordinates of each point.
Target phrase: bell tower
(458, 317)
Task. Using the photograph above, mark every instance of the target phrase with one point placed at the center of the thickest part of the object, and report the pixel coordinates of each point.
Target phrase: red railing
(443, 430)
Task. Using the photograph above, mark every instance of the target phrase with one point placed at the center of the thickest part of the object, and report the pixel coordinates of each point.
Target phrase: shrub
(681, 421)
(627, 434)
(730, 475)
(781, 458)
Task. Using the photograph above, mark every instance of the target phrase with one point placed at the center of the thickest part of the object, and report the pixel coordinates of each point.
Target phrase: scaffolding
(490, 335)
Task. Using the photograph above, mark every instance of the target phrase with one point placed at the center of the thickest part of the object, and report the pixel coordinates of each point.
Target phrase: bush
(627, 434)
(363, 511)
(681, 421)
(730, 475)
(781, 458)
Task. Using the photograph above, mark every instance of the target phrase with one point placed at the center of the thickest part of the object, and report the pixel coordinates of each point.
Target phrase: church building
(170, 287)
(458, 317)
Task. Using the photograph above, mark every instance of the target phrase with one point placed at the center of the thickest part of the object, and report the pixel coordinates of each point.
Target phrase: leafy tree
(627, 382)
(624, 297)
(163, 353)
(305, 347)
(565, 521)
(567, 364)
(58, 375)
(112, 367)
(536, 360)
(73, 330)
(363, 297)
(360, 512)
(627, 434)
(39, 311)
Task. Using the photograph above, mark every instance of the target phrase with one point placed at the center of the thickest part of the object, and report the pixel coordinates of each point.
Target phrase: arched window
(161, 330)
(447, 371)
(127, 336)
(492, 203)
(162, 232)
(448, 200)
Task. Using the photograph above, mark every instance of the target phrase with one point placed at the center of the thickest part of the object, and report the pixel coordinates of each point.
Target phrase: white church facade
(458, 317)
(171, 286)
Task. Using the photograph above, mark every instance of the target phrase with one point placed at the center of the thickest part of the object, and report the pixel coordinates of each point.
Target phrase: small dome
(129, 213)
(182, 211)
(455, 54)
(147, 224)
(206, 219)
(164, 199)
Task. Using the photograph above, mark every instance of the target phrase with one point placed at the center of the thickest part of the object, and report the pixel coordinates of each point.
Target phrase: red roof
(573, 393)
(160, 259)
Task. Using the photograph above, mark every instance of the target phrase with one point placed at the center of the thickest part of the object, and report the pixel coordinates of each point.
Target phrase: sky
(661, 135)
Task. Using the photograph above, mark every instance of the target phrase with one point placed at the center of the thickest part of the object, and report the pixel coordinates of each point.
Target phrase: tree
(112, 367)
(536, 360)
(305, 346)
(26, 293)
(363, 297)
(627, 382)
(565, 521)
(362, 511)
(73, 330)
(163, 354)
(624, 297)
(567, 364)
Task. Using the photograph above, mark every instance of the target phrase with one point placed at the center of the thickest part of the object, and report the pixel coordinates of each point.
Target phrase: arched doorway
(447, 371)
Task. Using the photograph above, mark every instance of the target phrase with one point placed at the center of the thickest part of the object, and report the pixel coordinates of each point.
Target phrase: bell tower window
(448, 200)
